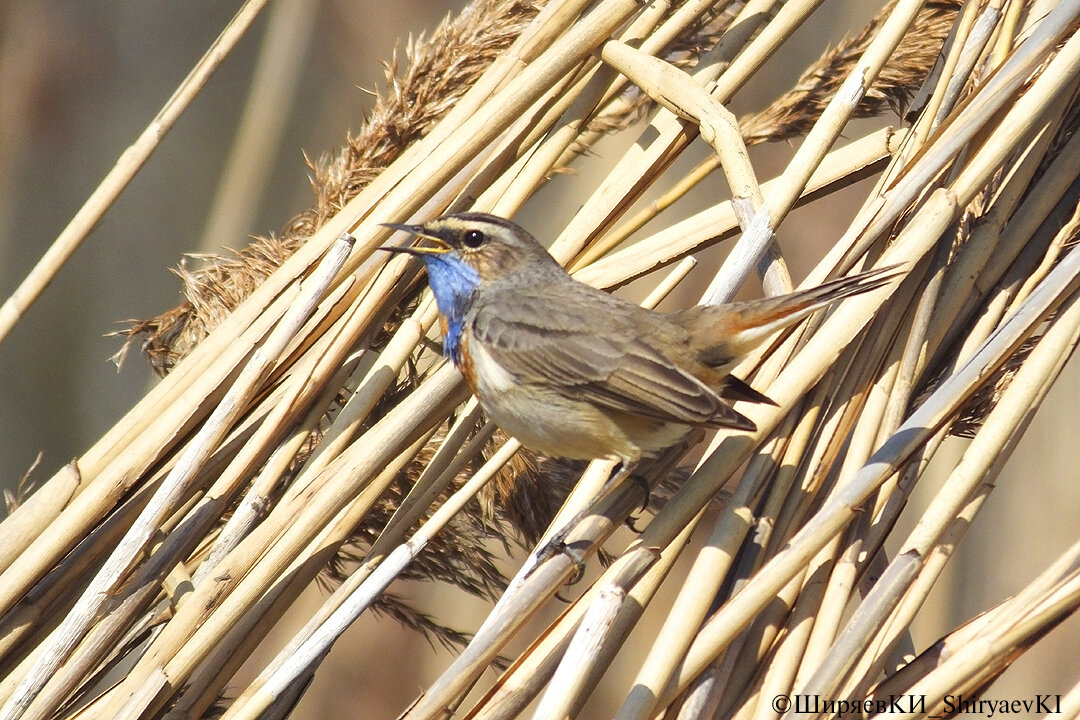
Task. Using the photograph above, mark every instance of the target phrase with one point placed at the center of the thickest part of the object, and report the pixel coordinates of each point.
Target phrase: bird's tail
(722, 334)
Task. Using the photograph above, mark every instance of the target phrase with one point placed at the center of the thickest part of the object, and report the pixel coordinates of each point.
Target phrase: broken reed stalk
(375, 474)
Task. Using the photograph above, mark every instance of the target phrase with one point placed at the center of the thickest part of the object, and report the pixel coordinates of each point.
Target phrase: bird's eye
(473, 238)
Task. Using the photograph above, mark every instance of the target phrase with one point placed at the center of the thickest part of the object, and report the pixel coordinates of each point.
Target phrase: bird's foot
(646, 491)
(557, 545)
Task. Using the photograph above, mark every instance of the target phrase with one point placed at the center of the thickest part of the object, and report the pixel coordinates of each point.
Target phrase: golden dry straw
(306, 428)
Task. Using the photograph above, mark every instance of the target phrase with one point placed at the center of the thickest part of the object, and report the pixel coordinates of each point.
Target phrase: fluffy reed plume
(795, 113)
(439, 70)
(306, 419)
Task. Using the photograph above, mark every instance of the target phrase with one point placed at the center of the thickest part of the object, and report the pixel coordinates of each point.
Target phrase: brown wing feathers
(614, 365)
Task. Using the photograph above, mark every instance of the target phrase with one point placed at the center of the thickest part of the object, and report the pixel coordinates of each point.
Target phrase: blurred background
(80, 80)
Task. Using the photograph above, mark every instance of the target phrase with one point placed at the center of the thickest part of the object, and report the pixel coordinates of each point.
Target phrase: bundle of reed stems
(305, 418)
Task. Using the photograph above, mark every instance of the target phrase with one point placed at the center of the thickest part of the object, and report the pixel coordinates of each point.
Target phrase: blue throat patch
(453, 282)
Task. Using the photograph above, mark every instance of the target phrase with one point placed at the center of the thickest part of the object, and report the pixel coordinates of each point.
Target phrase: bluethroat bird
(572, 371)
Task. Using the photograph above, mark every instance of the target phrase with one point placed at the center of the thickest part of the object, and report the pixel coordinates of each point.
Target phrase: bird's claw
(643, 485)
(557, 546)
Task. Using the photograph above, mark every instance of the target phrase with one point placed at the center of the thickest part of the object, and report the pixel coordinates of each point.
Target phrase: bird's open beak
(439, 248)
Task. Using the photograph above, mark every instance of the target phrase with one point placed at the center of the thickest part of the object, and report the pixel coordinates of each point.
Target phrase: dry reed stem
(139, 439)
(595, 630)
(638, 167)
(533, 669)
(679, 94)
(105, 586)
(297, 661)
(779, 202)
(990, 98)
(829, 519)
(258, 560)
(843, 166)
(832, 433)
(973, 478)
(129, 163)
(979, 651)
(705, 577)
